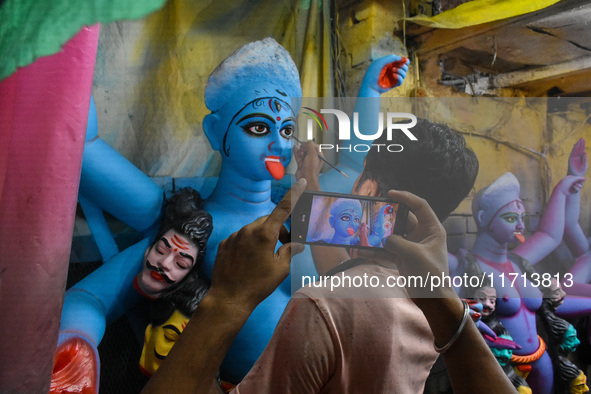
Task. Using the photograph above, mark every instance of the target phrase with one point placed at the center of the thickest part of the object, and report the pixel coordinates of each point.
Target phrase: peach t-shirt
(373, 344)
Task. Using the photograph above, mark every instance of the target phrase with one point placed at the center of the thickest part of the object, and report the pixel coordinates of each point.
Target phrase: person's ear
(369, 187)
(331, 221)
(210, 127)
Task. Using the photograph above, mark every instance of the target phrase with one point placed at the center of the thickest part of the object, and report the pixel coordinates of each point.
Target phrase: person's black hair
(184, 213)
(438, 167)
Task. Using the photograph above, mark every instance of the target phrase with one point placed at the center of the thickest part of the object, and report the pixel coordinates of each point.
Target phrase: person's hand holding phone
(422, 252)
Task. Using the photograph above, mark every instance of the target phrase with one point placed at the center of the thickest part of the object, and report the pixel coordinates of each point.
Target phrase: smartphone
(334, 219)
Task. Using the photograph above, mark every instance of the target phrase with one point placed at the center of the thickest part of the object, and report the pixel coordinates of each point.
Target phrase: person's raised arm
(247, 269)
(423, 252)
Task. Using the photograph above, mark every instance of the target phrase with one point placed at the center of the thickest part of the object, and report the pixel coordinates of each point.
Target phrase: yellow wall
(508, 134)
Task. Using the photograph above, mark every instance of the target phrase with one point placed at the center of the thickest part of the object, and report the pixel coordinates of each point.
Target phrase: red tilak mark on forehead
(278, 118)
(179, 242)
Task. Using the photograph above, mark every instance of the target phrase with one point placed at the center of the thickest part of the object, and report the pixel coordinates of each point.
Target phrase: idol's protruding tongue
(274, 166)
(350, 230)
(519, 236)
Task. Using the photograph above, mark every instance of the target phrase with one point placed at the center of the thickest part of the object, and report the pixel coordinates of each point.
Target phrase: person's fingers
(257, 222)
(284, 235)
(375, 254)
(411, 223)
(417, 205)
(223, 243)
(319, 152)
(406, 250)
(363, 230)
(283, 209)
(297, 248)
(287, 251)
(311, 147)
(307, 150)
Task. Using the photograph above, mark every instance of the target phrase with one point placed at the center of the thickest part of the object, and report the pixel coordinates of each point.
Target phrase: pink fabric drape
(43, 115)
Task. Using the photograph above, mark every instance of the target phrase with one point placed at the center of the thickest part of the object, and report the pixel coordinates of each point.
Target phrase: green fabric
(32, 28)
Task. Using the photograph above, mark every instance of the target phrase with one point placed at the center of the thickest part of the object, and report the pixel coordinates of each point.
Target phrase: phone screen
(345, 220)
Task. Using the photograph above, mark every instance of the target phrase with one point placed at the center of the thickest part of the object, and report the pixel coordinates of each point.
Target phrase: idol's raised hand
(577, 161)
(385, 73)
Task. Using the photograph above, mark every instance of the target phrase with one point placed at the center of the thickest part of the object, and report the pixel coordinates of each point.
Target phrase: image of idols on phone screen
(350, 221)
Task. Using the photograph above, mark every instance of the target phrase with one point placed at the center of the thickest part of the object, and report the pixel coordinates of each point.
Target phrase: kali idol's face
(258, 142)
(507, 225)
(346, 223)
(166, 263)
